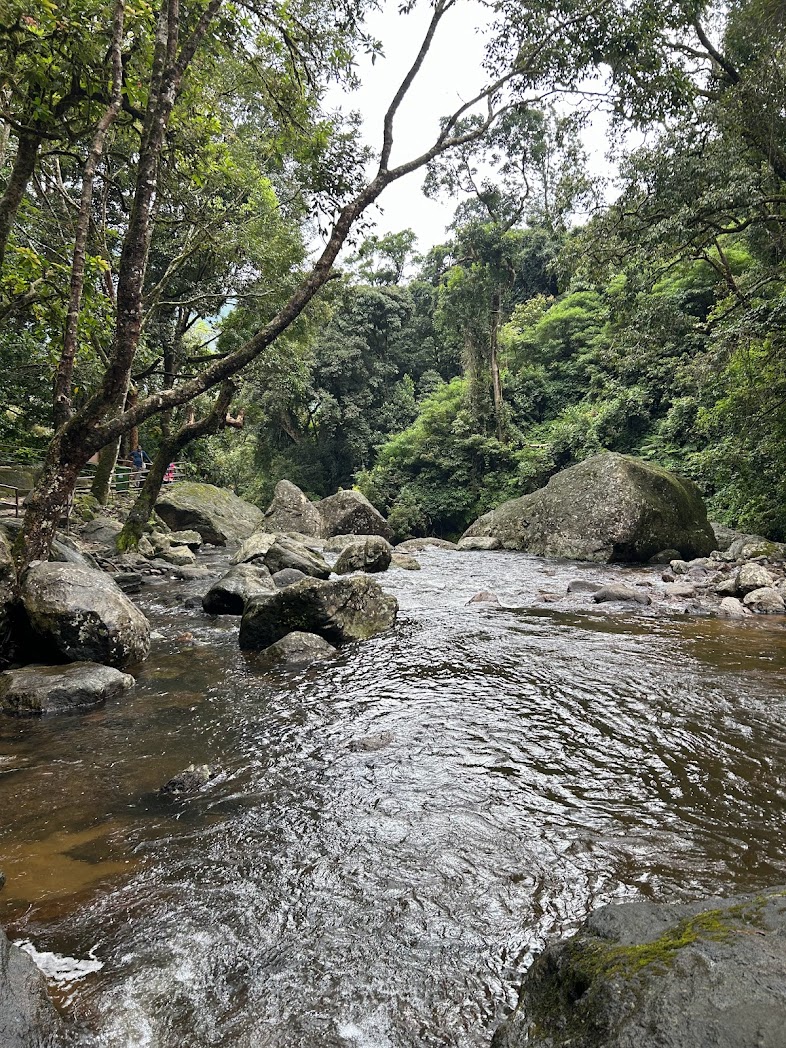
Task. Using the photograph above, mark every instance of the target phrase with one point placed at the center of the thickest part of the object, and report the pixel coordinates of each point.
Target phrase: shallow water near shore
(396, 831)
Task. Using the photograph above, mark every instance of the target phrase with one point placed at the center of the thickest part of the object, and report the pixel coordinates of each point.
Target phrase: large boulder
(350, 513)
(27, 1017)
(229, 594)
(339, 610)
(83, 615)
(291, 510)
(371, 553)
(685, 975)
(609, 507)
(218, 515)
(59, 689)
(288, 553)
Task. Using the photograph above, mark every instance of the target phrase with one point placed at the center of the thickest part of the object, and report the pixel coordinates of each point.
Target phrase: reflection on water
(398, 830)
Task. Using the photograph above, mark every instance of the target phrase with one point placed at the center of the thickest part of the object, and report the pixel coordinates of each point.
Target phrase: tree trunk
(102, 481)
(21, 173)
(499, 405)
(168, 450)
(47, 502)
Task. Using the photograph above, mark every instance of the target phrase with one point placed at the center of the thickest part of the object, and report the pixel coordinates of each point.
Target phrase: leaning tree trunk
(168, 450)
(102, 481)
(499, 404)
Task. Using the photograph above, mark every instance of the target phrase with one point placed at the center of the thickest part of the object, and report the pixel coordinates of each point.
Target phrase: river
(394, 833)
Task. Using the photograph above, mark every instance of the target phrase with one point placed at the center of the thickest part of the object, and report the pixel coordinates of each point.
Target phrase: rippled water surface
(395, 832)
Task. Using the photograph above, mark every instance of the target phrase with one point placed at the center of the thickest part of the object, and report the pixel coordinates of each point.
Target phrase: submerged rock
(229, 594)
(57, 689)
(296, 648)
(83, 615)
(218, 515)
(405, 561)
(291, 510)
(351, 513)
(371, 553)
(618, 592)
(28, 1018)
(609, 507)
(484, 597)
(340, 610)
(648, 975)
(191, 780)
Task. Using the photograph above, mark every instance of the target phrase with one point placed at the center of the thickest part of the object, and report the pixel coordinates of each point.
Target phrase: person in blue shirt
(141, 461)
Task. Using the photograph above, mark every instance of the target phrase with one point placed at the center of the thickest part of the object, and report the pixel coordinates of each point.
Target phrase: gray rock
(752, 577)
(128, 581)
(145, 548)
(732, 608)
(191, 780)
(350, 513)
(484, 597)
(338, 543)
(371, 743)
(229, 594)
(583, 586)
(679, 567)
(727, 587)
(648, 975)
(405, 561)
(665, 556)
(57, 689)
(418, 545)
(618, 592)
(609, 507)
(751, 546)
(83, 615)
(372, 554)
(682, 590)
(479, 542)
(192, 539)
(254, 548)
(288, 577)
(765, 601)
(64, 549)
(725, 536)
(180, 556)
(28, 1018)
(291, 510)
(295, 649)
(287, 553)
(102, 530)
(340, 610)
(189, 572)
(218, 515)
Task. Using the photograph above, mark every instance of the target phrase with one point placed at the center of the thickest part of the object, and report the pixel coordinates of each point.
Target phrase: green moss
(565, 997)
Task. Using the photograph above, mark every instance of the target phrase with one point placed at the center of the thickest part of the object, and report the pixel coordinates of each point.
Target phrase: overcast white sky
(451, 74)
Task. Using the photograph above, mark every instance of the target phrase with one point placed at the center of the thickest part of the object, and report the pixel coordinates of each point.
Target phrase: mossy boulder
(679, 975)
(370, 553)
(339, 610)
(292, 510)
(81, 615)
(351, 513)
(218, 515)
(609, 507)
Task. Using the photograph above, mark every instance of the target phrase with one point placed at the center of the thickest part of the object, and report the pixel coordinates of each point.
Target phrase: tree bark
(168, 451)
(27, 148)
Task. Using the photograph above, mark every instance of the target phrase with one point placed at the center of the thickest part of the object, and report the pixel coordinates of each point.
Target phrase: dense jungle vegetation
(550, 325)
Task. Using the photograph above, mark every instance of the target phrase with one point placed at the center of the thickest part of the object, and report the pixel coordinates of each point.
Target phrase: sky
(451, 73)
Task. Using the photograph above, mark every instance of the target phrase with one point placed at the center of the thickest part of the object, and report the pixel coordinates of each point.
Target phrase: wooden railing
(126, 480)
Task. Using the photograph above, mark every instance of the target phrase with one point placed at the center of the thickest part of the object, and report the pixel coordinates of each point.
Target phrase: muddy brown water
(396, 832)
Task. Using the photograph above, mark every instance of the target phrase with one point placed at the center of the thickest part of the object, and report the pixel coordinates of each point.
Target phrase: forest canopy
(166, 169)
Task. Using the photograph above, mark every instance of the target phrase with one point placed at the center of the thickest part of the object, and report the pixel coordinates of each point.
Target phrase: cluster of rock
(678, 975)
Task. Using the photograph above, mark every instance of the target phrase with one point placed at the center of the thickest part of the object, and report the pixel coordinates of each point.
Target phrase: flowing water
(394, 832)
